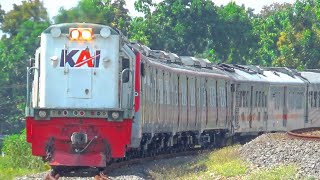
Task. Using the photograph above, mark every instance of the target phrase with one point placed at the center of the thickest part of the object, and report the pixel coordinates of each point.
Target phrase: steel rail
(304, 133)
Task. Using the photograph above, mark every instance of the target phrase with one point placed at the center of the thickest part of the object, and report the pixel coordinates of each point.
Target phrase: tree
(14, 51)
(182, 26)
(29, 10)
(2, 13)
(97, 11)
(299, 41)
(268, 26)
(235, 40)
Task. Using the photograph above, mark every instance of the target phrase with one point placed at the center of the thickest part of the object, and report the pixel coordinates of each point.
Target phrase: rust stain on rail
(305, 133)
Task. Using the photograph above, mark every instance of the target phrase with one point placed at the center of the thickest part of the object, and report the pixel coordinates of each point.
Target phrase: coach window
(293, 103)
(263, 100)
(192, 93)
(154, 86)
(176, 94)
(161, 90)
(319, 99)
(247, 98)
(223, 96)
(315, 98)
(168, 92)
(256, 100)
(213, 96)
(204, 96)
(311, 99)
(241, 99)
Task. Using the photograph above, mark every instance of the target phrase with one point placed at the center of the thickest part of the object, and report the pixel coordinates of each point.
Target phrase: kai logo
(84, 58)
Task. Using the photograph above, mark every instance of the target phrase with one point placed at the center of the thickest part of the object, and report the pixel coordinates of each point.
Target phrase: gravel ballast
(269, 150)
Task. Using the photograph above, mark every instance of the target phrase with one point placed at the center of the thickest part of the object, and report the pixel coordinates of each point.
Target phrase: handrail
(28, 104)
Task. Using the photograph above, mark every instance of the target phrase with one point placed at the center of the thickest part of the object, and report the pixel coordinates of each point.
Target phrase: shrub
(18, 153)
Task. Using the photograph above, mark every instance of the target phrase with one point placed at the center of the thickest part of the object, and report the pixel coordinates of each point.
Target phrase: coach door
(285, 107)
(221, 103)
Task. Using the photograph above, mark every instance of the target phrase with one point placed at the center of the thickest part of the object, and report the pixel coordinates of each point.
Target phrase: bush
(18, 153)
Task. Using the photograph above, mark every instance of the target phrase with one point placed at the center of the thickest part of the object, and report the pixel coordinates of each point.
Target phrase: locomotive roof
(66, 26)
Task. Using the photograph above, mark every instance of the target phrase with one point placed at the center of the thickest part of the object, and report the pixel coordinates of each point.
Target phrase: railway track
(312, 133)
(102, 174)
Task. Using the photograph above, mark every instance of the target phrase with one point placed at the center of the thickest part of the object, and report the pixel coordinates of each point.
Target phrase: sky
(53, 6)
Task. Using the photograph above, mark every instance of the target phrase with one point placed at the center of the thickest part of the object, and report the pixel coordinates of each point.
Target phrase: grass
(282, 172)
(226, 162)
(8, 172)
(11, 173)
(222, 164)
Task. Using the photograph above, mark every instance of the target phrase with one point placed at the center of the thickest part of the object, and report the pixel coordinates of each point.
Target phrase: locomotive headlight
(105, 32)
(75, 34)
(115, 115)
(55, 32)
(42, 114)
(81, 34)
(86, 34)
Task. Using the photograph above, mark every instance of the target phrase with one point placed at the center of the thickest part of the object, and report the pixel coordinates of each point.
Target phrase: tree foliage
(181, 26)
(97, 11)
(28, 10)
(22, 26)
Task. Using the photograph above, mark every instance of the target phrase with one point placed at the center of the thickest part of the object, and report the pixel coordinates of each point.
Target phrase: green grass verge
(284, 172)
(222, 164)
(226, 162)
(8, 172)
(11, 173)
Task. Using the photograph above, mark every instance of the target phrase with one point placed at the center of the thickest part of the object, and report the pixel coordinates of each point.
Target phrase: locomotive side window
(142, 69)
(126, 74)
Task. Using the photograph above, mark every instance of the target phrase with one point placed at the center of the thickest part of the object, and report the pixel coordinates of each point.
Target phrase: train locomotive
(94, 97)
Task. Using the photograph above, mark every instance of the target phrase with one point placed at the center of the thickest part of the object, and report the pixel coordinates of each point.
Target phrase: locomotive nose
(79, 138)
